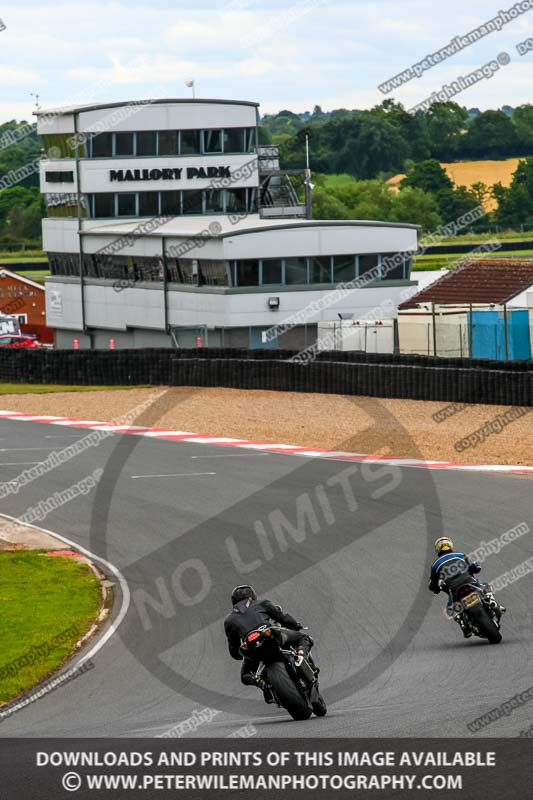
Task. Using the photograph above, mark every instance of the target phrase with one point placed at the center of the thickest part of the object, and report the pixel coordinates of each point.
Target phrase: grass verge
(50, 388)
(23, 255)
(41, 598)
(451, 260)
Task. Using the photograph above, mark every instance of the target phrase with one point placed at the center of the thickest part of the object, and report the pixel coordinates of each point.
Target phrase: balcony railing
(268, 156)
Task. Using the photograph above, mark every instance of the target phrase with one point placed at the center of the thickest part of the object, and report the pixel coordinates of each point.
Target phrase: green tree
(318, 115)
(416, 206)
(23, 152)
(452, 201)
(445, 125)
(411, 127)
(515, 204)
(491, 134)
(481, 192)
(429, 176)
(457, 202)
(17, 196)
(522, 120)
(24, 222)
(327, 206)
(264, 136)
(367, 147)
(345, 198)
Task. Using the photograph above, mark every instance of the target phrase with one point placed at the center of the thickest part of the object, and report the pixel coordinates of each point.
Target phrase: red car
(19, 340)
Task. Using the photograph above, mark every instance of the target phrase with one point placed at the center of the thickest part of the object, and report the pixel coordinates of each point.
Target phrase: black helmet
(242, 593)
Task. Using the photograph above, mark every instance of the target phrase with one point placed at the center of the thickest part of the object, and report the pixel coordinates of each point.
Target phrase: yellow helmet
(443, 545)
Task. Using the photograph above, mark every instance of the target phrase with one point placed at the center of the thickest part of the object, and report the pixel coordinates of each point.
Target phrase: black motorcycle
(288, 678)
(475, 604)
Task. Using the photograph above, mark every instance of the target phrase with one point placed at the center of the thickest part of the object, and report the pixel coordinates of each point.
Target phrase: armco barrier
(352, 373)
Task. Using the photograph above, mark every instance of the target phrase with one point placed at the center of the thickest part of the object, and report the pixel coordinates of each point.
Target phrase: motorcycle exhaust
(305, 668)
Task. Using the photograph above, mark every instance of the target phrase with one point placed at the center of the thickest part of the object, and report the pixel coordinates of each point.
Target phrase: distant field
(465, 173)
(339, 180)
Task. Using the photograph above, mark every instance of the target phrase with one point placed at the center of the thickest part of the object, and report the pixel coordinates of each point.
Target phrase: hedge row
(415, 377)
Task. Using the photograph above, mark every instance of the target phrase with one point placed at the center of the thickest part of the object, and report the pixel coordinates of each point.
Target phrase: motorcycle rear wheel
(287, 692)
(487, 627)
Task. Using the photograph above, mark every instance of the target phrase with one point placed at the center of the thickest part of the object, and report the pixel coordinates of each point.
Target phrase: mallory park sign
(168, 174)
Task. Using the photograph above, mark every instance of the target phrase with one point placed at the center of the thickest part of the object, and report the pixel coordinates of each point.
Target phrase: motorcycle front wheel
(320, 708)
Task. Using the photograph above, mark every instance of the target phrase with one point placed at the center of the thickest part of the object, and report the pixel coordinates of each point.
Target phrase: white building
(166, 222)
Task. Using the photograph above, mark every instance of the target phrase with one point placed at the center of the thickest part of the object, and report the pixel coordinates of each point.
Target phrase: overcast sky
(281, 53)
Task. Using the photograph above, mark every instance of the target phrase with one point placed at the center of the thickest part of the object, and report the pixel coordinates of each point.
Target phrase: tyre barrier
(352, 373)
(467, 247)
(374, 380)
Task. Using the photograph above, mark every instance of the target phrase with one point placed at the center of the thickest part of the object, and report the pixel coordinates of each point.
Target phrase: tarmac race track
(344, 547)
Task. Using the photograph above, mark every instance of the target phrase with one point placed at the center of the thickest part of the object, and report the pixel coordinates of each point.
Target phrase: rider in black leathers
(249, 613)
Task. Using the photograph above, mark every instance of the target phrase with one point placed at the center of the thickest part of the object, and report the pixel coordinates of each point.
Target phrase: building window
(148, 204)
(213, 141)
(126, 205)
(213, 273)
(62, 145)
(104, 205)
(192, 202)
(272, 271)
(252, 200)
(64, 263)
(247, 273)
(234, 140)
(59, 177)
(124, 144)
(190, 143)
(171, 203)
(107, 267)
(102, 145)
(183, 271)
(214, 201)
(236, 200)
(320, 269)
(393, 266)
(343, 269)
(367, 263)
(295, 271)
(250, 140)
(148, 268)
(147, 143)
(65, 204)
(168, 143)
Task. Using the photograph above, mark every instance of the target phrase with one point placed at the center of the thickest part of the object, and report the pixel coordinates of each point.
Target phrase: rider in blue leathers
(450, 568)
